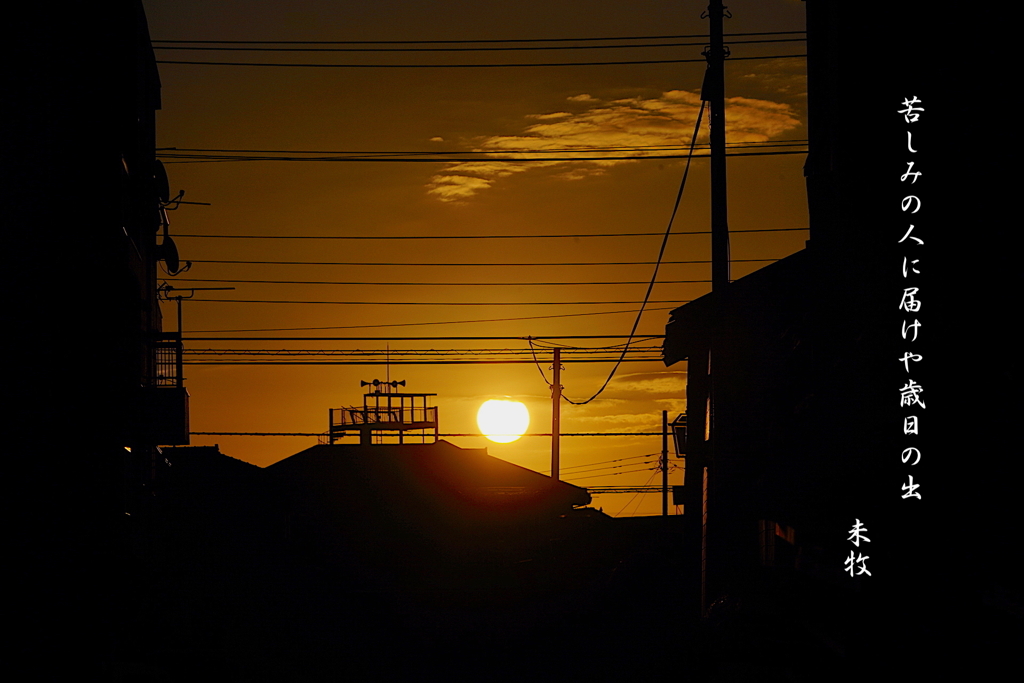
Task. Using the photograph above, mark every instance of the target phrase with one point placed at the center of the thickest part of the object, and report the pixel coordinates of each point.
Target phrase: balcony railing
(163, 410)
(393, 417)
(167, 361)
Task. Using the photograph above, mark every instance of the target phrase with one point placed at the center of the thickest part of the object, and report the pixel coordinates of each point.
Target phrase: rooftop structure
(386, 413)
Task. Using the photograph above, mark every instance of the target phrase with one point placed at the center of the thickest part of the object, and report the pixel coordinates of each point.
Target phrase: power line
(382, 361)
(444, 322)
(517, 48)
(319, 357)
(404, 339)
(440, 284)
(475, 237)
(657, 265)
(440, 435)
(606, 469)
(488, 40)
(635, 494)
(196, 159)
(453, 42)
(474, 265)
(256, 359)
(466, 66)
(604, 462)
(434, 303)
(403, 356)
(543, 343)
(556, 150)
(409, 352)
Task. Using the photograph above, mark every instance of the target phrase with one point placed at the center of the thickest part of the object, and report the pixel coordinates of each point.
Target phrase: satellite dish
(167, 251)
(163, 186)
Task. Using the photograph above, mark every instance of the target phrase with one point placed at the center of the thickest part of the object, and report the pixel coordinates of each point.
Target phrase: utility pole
(714, 94)
(664, 463)
(556, 400)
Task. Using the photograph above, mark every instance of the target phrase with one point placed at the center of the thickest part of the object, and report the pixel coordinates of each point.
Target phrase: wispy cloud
(781, 77)
(638, 122)
(453, 186)
(621, 421)
(663, 383)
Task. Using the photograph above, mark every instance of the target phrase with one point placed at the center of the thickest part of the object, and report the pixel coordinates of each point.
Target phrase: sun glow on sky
(503, 421)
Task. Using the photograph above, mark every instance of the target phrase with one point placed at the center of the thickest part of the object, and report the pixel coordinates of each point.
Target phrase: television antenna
(165, 289)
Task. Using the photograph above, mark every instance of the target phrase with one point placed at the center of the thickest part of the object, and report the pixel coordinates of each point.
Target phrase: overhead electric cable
(379, 362)
(469, 160)
(439, 284)
(474, 265)
(635, 495)
(472, 237)
(418, 339)
(545, 344)
(516, 48)
(443, 435)
(429, 303)
(606, 470)
(605, 462)
(661, 254)
(443, 322)
(466, 66)
(572, 352)
(463, 41)
(556, 150)
(195, 159)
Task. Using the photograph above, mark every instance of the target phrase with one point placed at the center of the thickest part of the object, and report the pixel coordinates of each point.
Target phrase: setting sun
(503, 421)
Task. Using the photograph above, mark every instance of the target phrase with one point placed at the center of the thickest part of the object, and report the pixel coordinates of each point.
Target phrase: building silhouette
(89, 370)
(795, 428)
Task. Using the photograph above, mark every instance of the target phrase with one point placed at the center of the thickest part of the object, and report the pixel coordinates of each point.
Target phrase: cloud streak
(637, 122)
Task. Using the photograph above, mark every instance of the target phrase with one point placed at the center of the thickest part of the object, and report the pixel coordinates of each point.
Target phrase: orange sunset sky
(488, 115)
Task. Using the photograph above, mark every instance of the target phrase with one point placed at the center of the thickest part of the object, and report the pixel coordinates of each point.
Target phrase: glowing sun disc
(503, 421)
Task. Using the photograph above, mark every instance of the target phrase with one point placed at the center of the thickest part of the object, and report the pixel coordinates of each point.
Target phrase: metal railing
(353, 417)
(167, 360)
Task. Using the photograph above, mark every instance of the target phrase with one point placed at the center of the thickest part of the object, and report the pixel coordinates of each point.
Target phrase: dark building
(794, 406)
(433, 521)
(325, 560)
(90, 372)
(154, 409)
(789, 368)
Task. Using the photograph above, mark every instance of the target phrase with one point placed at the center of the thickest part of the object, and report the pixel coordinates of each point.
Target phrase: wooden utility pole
(664, 463)
(556, 400)
(714, 95)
